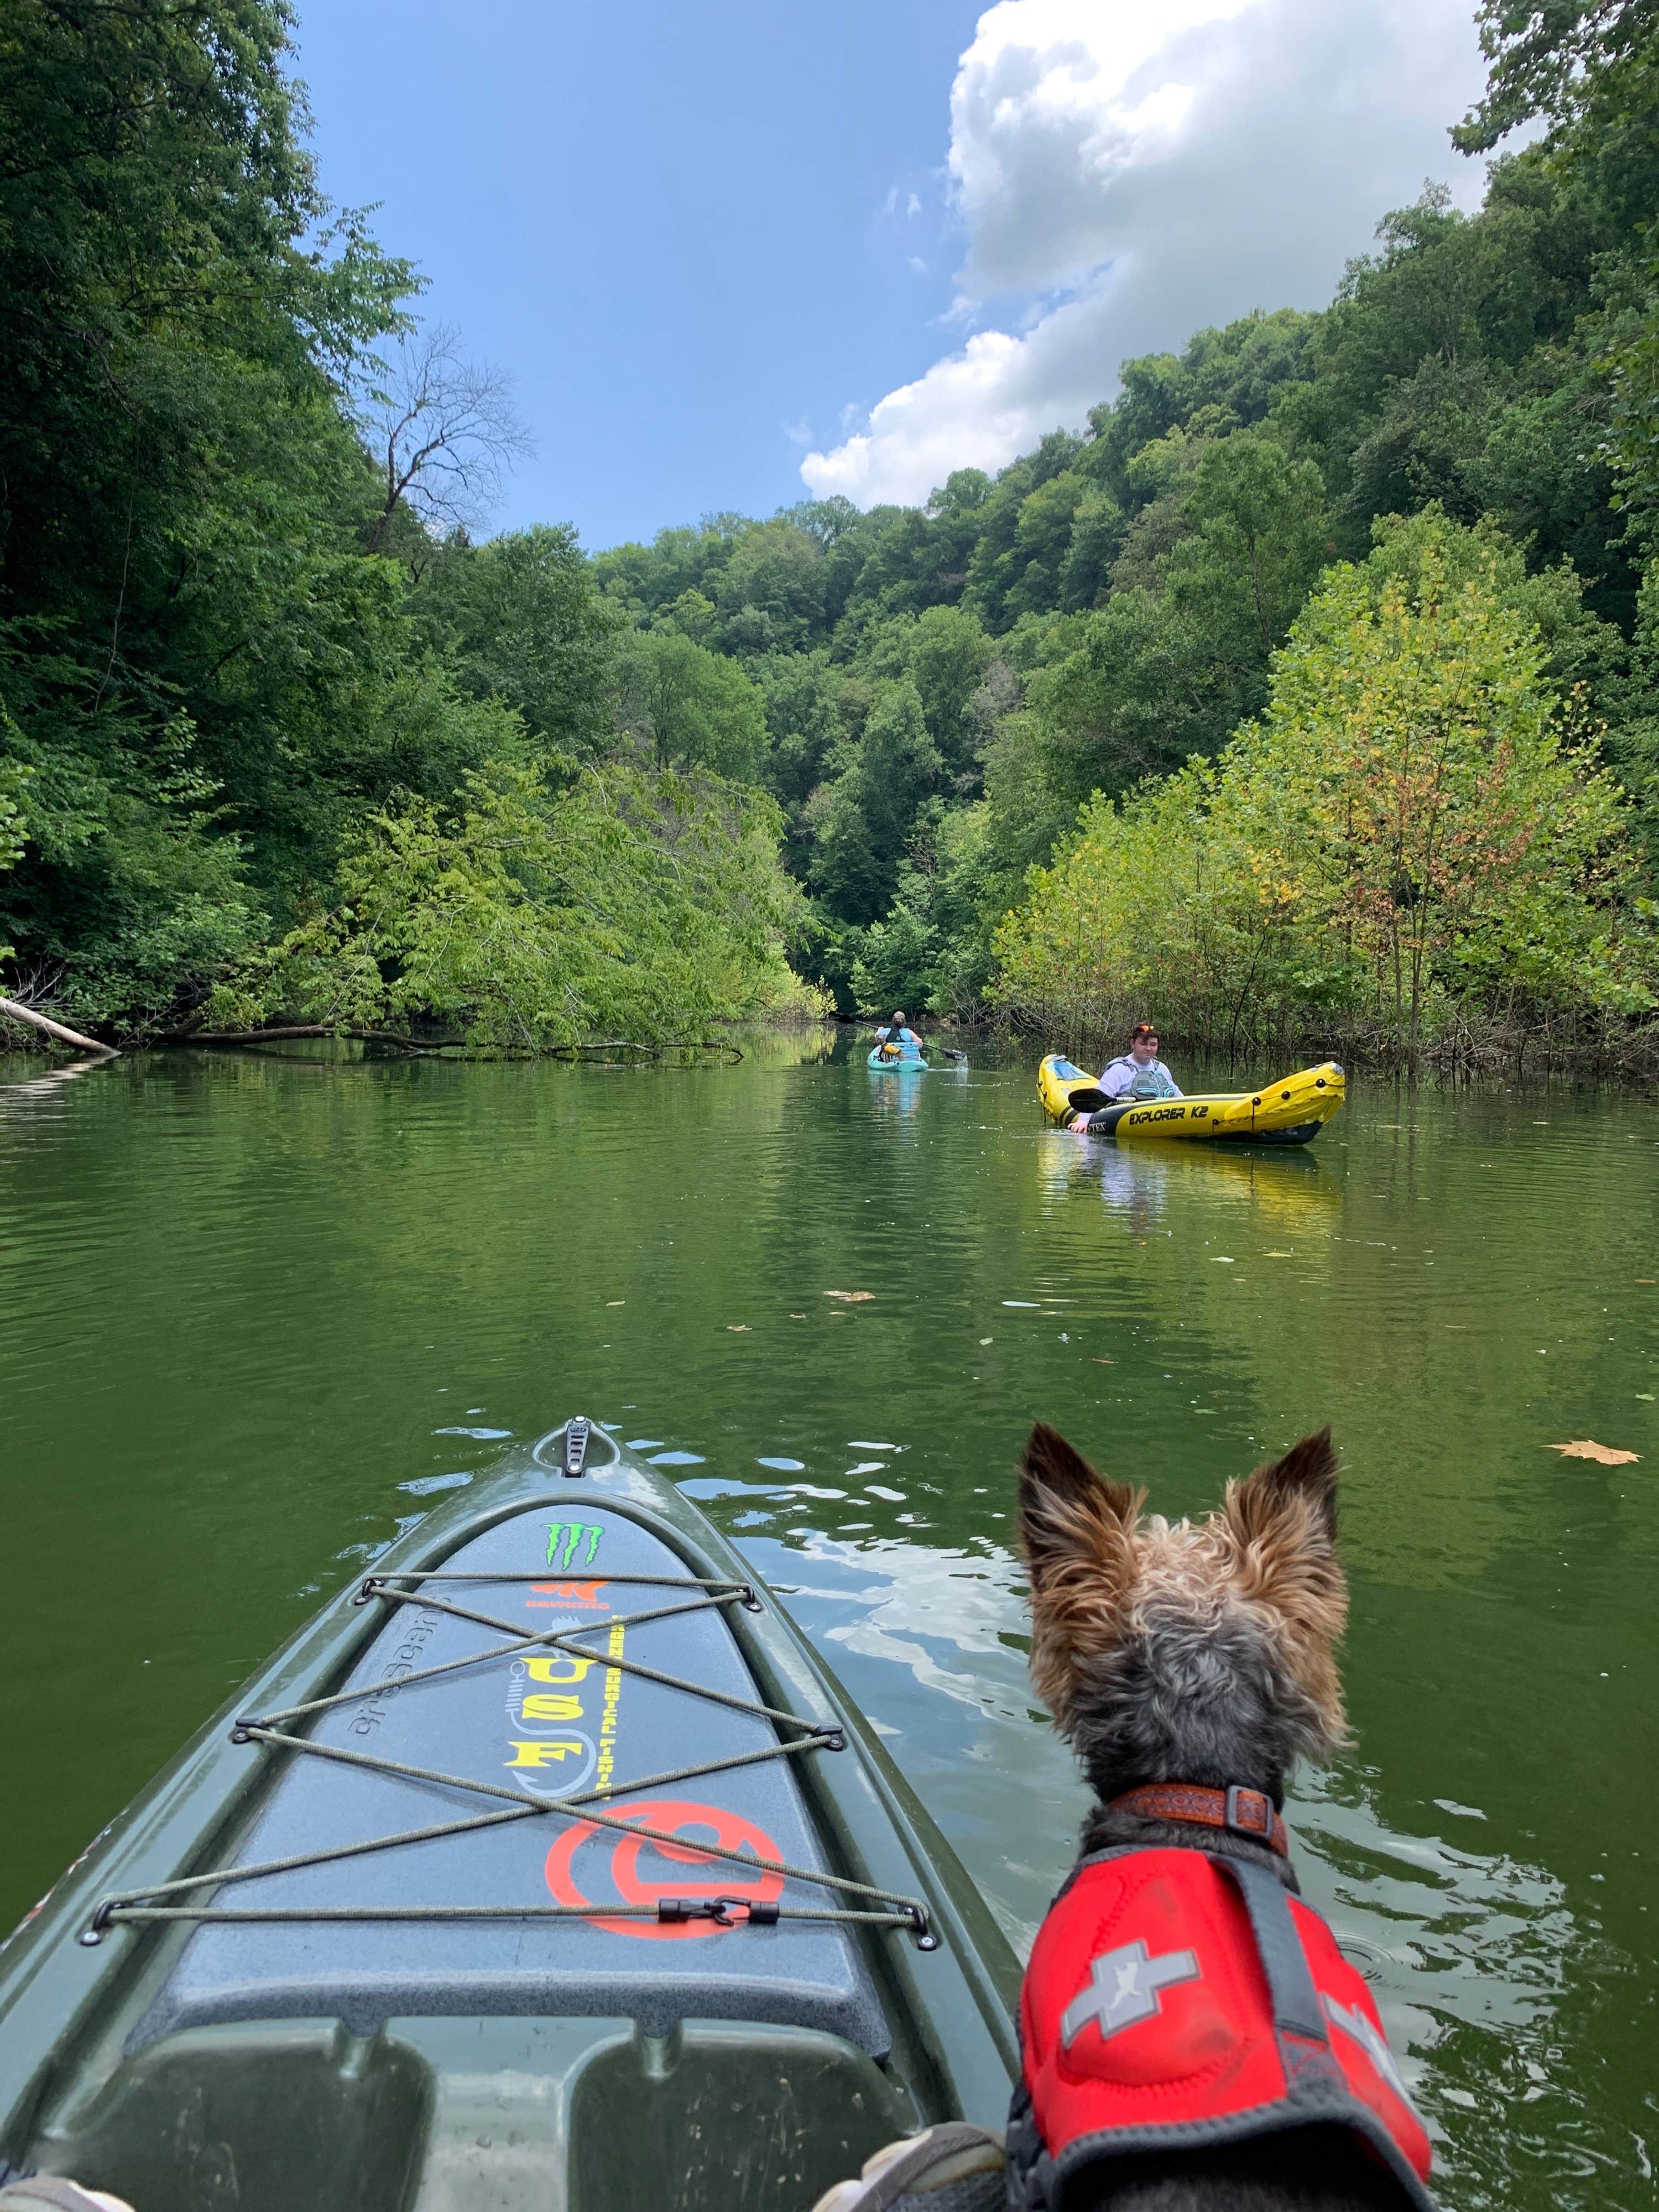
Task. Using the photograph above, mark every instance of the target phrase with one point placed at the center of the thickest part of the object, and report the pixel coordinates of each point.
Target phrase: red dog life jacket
(1178, 2000)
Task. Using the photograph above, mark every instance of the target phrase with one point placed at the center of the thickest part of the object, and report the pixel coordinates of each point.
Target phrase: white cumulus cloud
(1126, 173)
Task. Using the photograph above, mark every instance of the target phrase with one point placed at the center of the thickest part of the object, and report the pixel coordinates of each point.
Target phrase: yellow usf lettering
(548, 1705)
(549, 1752)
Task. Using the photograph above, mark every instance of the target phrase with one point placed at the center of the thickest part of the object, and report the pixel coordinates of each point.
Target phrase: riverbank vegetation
(1310, 692)
(1413, 824)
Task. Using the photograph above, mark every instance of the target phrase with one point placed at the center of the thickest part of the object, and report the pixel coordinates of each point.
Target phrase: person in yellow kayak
(1138, 1073)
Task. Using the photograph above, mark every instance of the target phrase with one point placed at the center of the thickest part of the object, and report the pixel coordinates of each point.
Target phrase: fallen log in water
(298, 1030)
(14, 1012)
(648, 1053)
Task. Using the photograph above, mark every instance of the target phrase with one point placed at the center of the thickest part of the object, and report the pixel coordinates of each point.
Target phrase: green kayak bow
(549, 1865)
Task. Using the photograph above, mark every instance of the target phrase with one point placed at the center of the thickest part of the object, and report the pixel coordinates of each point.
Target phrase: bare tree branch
(443, 430)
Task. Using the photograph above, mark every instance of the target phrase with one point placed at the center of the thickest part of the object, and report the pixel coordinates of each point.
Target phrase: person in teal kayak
(897, 1042)
(1139, 1072)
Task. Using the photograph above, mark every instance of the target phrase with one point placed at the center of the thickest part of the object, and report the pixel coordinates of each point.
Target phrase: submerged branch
(302, 1030)
(730, 1053)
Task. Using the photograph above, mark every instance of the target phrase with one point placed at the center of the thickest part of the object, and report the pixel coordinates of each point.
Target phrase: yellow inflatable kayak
(1288, 1112)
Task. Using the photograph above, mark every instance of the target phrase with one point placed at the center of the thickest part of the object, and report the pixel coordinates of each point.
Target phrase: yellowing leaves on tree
(1413, 827)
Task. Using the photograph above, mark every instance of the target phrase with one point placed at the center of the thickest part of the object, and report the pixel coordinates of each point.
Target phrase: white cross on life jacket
(1353, 2022)
(1122, 1988)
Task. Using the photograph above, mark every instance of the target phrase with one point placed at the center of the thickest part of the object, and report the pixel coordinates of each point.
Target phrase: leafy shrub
(551, 904)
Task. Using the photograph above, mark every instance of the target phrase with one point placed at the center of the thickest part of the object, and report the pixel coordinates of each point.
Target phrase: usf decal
(567, 1541)
(544, 1695)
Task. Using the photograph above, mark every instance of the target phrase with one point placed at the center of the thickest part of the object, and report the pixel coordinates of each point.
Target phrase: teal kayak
(895, 1063)
(549, 1865)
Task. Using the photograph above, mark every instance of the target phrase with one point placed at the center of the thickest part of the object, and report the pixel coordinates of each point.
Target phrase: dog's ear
(1302, 1486)
(1078, 1530)
(1072, 1519)
(1281, 1526)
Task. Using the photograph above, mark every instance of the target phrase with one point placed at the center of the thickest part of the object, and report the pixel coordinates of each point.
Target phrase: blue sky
(735, 253)
(667, 220)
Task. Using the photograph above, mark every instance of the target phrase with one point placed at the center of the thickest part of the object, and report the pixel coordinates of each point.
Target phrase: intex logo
(565, 1539)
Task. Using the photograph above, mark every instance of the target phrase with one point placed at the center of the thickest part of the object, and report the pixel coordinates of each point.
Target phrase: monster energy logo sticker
(565, 1539)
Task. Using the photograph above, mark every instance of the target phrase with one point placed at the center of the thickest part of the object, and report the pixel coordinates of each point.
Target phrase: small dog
(1190, 1667)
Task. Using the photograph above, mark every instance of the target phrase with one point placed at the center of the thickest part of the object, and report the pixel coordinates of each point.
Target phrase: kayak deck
(894, 1062)
(1292, 1111)
(568, 1722)
(681, 1898)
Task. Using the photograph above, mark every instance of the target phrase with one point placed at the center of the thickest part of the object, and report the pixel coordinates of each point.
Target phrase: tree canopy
(258, 652)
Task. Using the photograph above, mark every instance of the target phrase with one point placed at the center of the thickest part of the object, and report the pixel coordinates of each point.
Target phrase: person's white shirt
(1119, 1077)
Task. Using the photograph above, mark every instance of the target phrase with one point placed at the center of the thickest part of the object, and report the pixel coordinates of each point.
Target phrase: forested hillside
(250, 670)
(1389, 567)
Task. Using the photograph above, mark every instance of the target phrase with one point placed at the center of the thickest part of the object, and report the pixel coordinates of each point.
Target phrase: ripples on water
(256, 1311)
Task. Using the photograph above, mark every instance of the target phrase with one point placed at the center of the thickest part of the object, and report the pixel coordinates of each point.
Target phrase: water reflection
(1282, 1185)
(44, 1083)
(894, 1096)
(1471, 1956)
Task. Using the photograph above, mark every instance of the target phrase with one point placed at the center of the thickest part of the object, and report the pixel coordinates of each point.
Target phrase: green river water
(256, 1312)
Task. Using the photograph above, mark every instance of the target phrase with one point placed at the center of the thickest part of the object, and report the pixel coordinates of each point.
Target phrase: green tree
(806, 704)
(549, 904)
(184, 602)
(1254, 536)
(1161, 672)
(771, 592)
(1019, 529)
(1570, 61)
(520, 619)
(862, 821)
(897, 956)
(1414, 830)
(688, 707)
(945, 652)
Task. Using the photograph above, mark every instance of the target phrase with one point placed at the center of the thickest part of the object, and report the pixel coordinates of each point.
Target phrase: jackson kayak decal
(566, 1538)
(567, 1597)
(623, 1870)
(545, 1696)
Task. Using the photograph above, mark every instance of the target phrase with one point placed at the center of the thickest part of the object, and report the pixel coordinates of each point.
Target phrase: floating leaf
(737, 1327)
(850, 1297)
(1603, 1455)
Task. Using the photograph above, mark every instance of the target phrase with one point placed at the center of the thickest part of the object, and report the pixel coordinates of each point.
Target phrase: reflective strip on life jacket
(1174, 1998)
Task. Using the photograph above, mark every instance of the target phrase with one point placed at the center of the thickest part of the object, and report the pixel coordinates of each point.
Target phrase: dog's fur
(1170, 1652)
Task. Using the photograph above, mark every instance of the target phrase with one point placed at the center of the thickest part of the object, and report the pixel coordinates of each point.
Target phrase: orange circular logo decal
(615, 1865)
